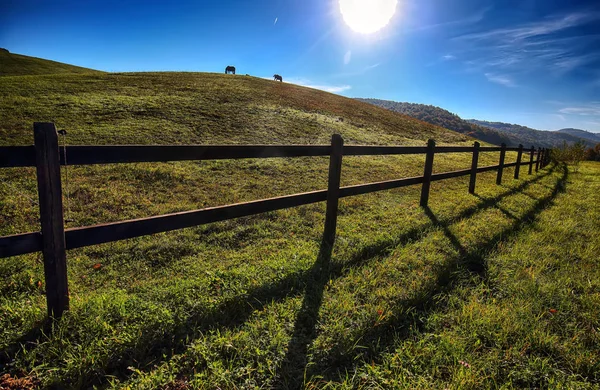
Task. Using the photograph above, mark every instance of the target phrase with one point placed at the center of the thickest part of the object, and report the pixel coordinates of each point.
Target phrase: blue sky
(531, 62)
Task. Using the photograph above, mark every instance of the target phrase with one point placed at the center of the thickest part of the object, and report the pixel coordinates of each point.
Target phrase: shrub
(571, 154)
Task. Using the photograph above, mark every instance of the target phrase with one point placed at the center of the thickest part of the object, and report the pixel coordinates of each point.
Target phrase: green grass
(19, 65)
(506, 281)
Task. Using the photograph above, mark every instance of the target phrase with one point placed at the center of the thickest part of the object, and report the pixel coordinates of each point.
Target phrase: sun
(367, 16)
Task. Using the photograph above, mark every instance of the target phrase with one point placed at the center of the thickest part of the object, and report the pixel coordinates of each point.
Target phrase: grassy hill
(20, 65)
(198, 108)
(497, 289)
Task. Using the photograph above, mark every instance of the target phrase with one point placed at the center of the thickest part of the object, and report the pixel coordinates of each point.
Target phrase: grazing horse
(230, 69)
(277, 77)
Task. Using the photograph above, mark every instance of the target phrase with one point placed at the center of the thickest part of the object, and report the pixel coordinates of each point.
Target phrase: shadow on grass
(236, 311)
(413, 312)
(26, 342)
(291, 371)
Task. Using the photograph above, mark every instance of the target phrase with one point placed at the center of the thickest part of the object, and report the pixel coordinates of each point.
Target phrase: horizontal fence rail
(24, 156)
(44, 156)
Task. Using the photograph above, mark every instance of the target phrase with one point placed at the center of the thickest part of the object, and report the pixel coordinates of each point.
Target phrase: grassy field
(496, 290)
(12, 64)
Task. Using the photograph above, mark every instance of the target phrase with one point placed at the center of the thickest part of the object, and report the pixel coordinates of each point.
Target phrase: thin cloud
(359, 72)
(469, 20)
(347, 57)
(327, 88)
(275, 22)
(528, 47)
(500, 79)
(310, 84)
(448, 57)
(590, 109)
(531, 30)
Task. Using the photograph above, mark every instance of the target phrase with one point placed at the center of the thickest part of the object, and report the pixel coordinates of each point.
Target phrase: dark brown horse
(277, 77)
(230, 69)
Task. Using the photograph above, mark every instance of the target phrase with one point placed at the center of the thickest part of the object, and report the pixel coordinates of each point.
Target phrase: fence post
(537, 160)
(427, 173)
(51, 217)
(531, 152)
(474, 163)
(333, 189)
(547, 156)
(519, 156)
(501, 164)
(542, 159)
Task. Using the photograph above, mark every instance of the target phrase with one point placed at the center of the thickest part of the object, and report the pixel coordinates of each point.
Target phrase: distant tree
(593, 154)
(571, 154)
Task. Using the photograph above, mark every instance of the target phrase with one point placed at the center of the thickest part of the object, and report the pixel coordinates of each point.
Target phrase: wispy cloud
(323, 87)
(275, 22)
(551, 44)
(448, 57)
(358, 72)
(535, 29)
(473, 18)
(347, 57)
(588, 109)
(500, 79)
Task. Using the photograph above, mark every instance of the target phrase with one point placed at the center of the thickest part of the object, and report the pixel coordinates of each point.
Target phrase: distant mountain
(528, 136)
(440, 117)
(582, 134)
(18, 65)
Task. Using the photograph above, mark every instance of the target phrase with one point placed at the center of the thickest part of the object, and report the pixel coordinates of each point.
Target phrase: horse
(230, 69)
(277, 77)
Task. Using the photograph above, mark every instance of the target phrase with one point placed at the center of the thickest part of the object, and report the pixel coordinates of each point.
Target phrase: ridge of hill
(19, 65)
(528, 136)
(581, 134)
(492, 132)
(443, 118)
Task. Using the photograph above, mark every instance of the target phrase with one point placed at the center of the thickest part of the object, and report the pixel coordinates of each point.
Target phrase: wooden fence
(54, 239)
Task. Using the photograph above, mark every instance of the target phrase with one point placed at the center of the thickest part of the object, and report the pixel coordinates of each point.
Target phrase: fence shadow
(236, 311)
(291, 370)
(26, 342)
(379, 340)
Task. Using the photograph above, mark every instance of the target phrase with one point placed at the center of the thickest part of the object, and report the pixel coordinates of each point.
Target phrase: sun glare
(367, 16)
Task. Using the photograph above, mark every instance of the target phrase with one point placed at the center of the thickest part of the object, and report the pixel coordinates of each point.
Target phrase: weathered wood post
(542, 158)
(333, 189)
(519, 157)
(501, 164)
(51, 217)
(531, 153)
(474, 163)
(427, 173)
(547, 156)
(537, 160)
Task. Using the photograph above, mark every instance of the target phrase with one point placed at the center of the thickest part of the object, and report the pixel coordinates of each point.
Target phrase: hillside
(594, 137)
(461, 294)
(443, 118)
(198, 108)
(19, 65)
(528, 136)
